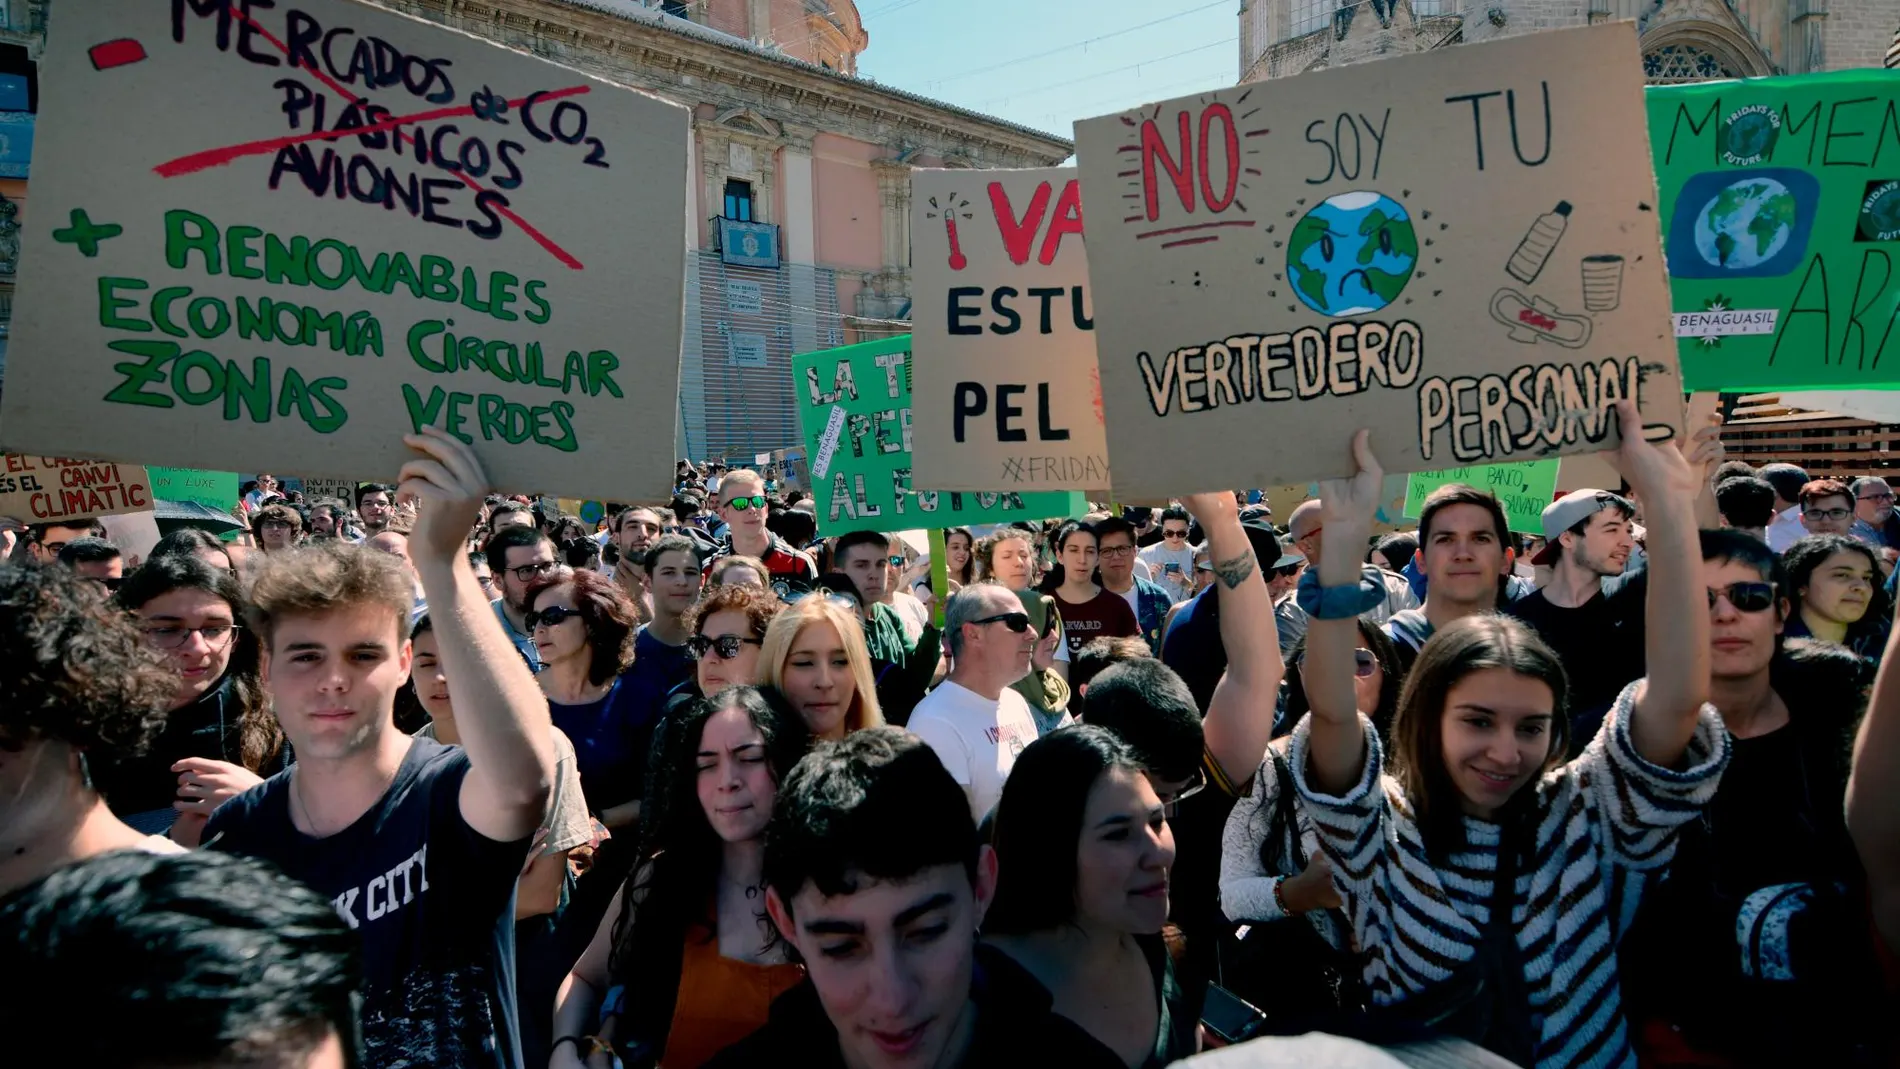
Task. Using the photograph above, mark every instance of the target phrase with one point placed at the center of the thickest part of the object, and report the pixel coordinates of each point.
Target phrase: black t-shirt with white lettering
(432, 898)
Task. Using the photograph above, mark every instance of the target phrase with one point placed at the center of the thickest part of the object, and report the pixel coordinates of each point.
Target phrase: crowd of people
(438, 777)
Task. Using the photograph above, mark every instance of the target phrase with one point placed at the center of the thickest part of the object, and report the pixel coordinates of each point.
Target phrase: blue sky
(988, 55)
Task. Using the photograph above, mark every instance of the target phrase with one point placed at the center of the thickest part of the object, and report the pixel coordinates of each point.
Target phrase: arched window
(1681, 62)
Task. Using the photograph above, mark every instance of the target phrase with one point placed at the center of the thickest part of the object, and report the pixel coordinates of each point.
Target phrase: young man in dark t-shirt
(1590, 612)
(418, 845)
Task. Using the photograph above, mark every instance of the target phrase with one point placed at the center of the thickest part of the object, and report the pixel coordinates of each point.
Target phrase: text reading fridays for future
(163, 370)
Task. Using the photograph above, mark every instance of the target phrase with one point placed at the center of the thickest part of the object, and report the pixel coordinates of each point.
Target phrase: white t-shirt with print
(1180, 581)
(976, 738)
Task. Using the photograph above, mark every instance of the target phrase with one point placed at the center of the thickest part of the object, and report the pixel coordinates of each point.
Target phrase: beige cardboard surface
(37, 489)
(1003, 347)
(1457, 249)
(217, 284)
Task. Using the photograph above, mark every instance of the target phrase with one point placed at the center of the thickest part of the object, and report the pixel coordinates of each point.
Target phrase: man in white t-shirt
(975, 722)
(1171, 560)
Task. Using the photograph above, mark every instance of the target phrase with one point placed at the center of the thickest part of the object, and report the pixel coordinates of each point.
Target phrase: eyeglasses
(1746, 597)
(1015, 621)
(268, 524)
(110, 582)
(171, 636)
(1363, 663)
(897, 560)
(756, 501)
(528, 573)
(1828, 514)
(1169, 532)
(1115, 551)
(552, 616)
(1876, 497)
(727, 646)
(1287, 572)
(1192, 787)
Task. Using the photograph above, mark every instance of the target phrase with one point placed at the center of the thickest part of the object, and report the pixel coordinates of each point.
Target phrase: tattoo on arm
(1235, 571)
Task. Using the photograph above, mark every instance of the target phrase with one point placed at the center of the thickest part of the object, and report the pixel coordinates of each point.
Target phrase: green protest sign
(215, 489)
(1523, 489)
(854, 407)
(1780, 209)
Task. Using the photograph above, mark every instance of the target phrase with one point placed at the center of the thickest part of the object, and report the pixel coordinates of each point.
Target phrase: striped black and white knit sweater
(1606, 828)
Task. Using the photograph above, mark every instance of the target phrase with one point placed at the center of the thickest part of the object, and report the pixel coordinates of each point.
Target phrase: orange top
(721, 1001)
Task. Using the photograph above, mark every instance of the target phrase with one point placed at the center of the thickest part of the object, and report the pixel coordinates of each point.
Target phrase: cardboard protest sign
(293, 234)
(855, 408)
(36, 489)
(1523, 488)
(1457, 249)
(1780, 206)
(329, 489)
(216, 489)
(1004, 343)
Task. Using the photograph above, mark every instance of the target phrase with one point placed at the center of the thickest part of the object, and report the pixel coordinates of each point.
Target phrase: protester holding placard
(1483, 847)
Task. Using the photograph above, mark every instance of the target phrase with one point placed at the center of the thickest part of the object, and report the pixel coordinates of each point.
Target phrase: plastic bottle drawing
(1528, 261)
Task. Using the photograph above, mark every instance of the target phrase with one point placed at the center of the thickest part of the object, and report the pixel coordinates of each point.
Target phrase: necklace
(297, 803)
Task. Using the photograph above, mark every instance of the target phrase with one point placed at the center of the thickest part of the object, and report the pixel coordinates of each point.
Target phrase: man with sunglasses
(743, 508)
(1171, 561)
(1755, 951)
(975, 720)
(95, 559)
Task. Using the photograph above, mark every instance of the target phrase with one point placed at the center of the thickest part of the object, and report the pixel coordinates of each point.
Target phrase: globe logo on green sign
(1745, 225)
(1749, 135)
(1352, 253)
(1880, 212)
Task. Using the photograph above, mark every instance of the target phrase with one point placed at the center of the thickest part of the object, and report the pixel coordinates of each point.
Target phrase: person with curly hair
(81, 694)
(583, 627)
(277, 527)
(220, 738)
(728, 629)
(684, 963)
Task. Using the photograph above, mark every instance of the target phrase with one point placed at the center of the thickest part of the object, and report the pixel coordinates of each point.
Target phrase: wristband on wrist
(1279, 895)
(1338, 602)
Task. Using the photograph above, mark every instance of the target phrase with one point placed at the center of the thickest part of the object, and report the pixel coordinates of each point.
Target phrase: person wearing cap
(1591, 610)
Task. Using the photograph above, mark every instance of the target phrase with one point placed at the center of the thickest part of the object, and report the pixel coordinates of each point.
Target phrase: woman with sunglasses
(1082, 855)
(1088, 610)
(1755, 950)
(1488, 879)
(728, 631)
(815, 658)
(1840, 596)
(220, 738)
(1272, 869)
(583, 628)
(684, 962)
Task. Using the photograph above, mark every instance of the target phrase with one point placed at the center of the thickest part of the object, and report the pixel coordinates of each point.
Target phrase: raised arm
(1239, 721)
(1676, 616)
(1873, 795)
(1338, 743)
(500, 712)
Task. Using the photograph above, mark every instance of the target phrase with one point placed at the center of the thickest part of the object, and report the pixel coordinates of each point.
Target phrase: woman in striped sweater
(1478, 816)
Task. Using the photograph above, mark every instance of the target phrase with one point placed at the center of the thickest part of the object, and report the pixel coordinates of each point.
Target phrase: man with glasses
(1874, 521)
(743, 508)
(1115, 570)
(95, 559)
(518, 555)
(1827, 507)
(45, 540)
(1755, 951)
(974, 720)
(1171, 561)
(1590, 611)
(375, 503)
(277, 527)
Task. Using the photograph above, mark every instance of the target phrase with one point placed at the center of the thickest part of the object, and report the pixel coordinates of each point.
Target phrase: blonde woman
(815, 658)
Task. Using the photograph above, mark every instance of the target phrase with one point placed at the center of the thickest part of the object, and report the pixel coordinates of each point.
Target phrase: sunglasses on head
(727, 646)
(1015, 621)
(756, 501)
(1746, 597)
(551, 616)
